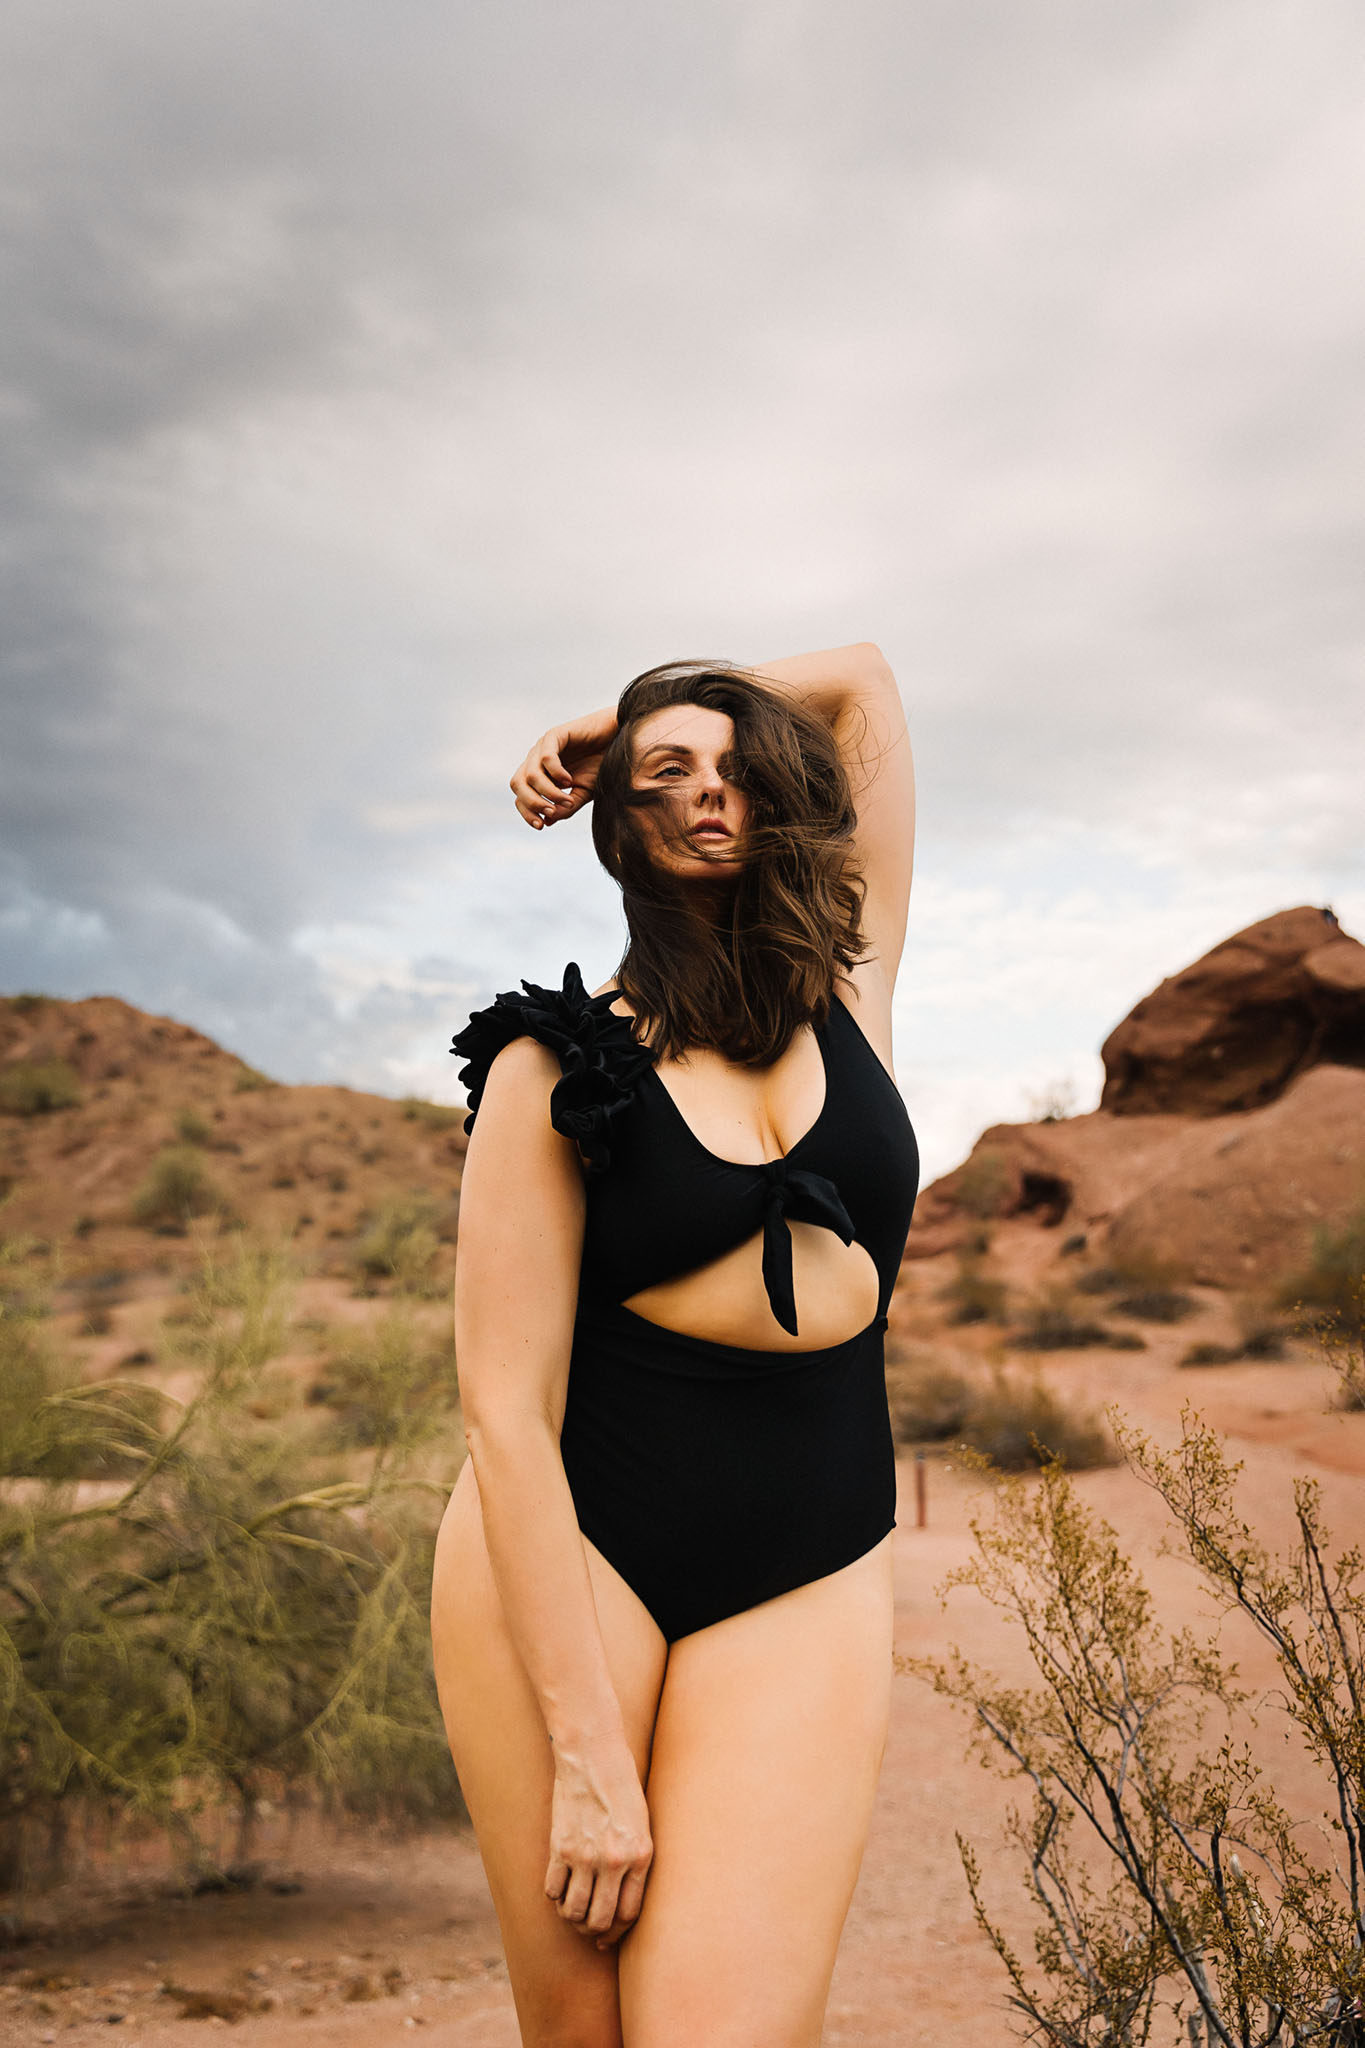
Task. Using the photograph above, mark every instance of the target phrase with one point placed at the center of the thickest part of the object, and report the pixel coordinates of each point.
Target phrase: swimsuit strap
(601, 1057)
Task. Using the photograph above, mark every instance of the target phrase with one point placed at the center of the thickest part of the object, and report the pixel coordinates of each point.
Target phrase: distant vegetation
(238, 1607)
(1327, 1288)
(192, 1128)
(1012, 1417)
(36, 1087)
(248, 1078)
(432, 1116)
(1054, 1321)
(973, 1294)
(401, 1243)
(178, 1187)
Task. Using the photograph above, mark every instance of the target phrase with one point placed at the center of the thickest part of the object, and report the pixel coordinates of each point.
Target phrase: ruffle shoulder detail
(601, 1057)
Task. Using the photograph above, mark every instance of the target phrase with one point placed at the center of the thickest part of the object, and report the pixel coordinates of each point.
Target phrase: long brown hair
(745, 980)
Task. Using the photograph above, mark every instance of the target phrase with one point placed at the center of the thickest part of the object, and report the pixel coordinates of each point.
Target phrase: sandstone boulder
(1231, 1126)
(1234, 1029)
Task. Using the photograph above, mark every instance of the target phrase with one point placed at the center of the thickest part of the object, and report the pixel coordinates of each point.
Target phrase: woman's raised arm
(516, 1285)
(854, 689)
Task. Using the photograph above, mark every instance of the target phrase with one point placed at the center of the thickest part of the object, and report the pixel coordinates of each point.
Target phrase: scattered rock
(208, 2005)
(362, 1989)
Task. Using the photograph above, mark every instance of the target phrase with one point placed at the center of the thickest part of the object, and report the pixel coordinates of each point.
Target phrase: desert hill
(126, 1139)
(1231, 1125)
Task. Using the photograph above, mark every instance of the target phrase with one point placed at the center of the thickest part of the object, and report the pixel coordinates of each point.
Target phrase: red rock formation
(1234, 1029)
(1231, 1124)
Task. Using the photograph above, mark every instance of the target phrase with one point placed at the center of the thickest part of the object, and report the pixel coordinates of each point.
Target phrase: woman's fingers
(548, 781)
(602, 1911)
(628, 1903)
(556, 1877)
(544, 788)
(578, 1894)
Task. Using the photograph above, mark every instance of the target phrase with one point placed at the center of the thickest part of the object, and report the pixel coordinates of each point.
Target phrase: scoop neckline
(754, 1165)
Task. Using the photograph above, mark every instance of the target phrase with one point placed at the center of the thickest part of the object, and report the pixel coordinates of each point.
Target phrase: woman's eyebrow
(666, 747)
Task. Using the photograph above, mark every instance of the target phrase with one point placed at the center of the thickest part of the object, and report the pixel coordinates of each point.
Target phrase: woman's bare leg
(767, 1749)
(564, 1986)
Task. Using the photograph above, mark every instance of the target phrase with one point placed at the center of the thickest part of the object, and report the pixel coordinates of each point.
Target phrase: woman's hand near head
(600, 1845)
(560, 772)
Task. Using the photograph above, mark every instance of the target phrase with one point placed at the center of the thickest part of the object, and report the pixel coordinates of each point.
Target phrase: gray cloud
(376, 391)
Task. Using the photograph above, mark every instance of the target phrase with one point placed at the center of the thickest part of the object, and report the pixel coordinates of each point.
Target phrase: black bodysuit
(712, 1476)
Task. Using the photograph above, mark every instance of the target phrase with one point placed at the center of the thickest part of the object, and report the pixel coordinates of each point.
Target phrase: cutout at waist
(727, 1300)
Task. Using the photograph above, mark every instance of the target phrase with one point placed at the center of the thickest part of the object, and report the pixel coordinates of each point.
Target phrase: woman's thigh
(564, 1986)
(767, 1750)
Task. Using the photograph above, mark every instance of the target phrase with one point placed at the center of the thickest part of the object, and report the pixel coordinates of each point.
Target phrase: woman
(662, 1609)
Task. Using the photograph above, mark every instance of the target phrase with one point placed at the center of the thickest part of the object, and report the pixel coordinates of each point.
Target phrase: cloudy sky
(382, 383)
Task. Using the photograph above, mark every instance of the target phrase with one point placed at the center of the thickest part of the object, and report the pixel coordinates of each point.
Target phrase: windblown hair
(790, 925)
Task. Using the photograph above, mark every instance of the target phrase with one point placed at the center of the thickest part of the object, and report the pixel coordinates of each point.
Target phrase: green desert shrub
(929, 1400)
(54, 1427)
(1102, 1279)
(236, 1618)
(1210, 1354)
(401, 1244)
(1017, 1421)
(1156, 1305)
(973, 1295)
(1260, 1335)
(247, 1080)
(1341, 1340)
(34, 1087)
(1264, 1340)
(192, 1128)
(1327, 1288)
(932, 1402)
(177, 1188)
(1052, 1321)
(432, 1116)
(389, 1384)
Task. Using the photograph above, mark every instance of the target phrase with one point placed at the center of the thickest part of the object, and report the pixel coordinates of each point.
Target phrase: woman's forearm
(832, 679)
(541, 1572)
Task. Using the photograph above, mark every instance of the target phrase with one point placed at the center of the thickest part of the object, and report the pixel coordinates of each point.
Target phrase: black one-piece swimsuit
(713, 1477)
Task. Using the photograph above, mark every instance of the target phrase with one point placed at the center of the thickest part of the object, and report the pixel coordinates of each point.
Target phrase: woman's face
(685, 753)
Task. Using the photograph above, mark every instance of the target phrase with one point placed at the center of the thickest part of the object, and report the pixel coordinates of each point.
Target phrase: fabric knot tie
(810, 1198)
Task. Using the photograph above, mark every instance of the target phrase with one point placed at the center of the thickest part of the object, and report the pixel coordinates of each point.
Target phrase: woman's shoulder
(600, 1057)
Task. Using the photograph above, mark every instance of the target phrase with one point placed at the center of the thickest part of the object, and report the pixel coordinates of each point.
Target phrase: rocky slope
(96, 1097)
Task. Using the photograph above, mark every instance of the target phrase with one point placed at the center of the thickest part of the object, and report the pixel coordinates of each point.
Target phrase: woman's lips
(711, 832)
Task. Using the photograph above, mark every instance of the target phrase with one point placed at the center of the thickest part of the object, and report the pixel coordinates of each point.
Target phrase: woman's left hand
(559, 774)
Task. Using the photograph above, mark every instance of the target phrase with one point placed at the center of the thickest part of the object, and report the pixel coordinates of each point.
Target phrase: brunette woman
(662, 1610)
